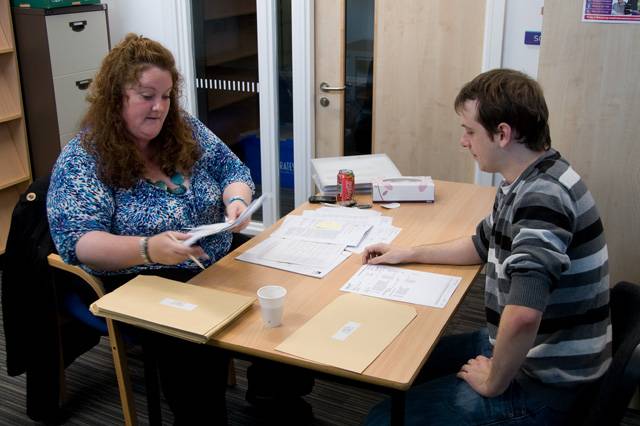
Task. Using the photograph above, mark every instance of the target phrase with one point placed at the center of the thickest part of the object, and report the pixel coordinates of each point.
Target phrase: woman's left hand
(234, 210)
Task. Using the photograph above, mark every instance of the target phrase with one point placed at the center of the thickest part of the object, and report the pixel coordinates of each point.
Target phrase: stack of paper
(214, 228)
(365, 168)
(181, 310)
(381, 231)
(403, 285)
(316, 242)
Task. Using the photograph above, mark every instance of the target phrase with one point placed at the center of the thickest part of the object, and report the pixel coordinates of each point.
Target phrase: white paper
(322, 230)
(255, 255)
(309, 253)
(403, 285)
(206, 230)
(377, 234)
(342, 212)
(346, 331)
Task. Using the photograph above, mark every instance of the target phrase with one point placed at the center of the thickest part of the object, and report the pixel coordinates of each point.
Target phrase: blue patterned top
(79, 202)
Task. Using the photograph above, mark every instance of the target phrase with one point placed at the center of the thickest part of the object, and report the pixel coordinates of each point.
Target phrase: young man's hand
(476, 373)
(385, 253)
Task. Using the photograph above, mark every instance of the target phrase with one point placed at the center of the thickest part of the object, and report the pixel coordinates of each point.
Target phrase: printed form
(403, 285)
(322, 230)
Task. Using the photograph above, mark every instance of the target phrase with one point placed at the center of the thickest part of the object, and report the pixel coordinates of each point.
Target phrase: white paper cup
(271, 299)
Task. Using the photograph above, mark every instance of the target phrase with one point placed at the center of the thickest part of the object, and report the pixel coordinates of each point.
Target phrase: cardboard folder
(181, 310)
(350, 332)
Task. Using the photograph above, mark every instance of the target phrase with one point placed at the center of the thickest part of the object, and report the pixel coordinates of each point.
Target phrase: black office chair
(606, 401)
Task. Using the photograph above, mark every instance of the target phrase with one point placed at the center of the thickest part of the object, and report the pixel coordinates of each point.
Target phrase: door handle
(78, 26)
(324, 87)
(83, 84)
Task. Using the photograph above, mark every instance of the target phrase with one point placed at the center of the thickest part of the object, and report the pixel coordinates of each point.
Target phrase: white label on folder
(178, 304)
(346, 330)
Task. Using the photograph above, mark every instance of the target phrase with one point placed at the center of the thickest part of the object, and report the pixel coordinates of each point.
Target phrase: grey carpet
(92, 394)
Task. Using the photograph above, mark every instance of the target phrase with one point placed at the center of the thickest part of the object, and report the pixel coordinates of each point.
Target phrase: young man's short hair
(512, 97)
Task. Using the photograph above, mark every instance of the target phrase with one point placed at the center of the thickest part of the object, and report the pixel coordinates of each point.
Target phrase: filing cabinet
(60, 51)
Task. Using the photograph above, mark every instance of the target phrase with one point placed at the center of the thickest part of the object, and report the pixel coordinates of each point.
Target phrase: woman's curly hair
(106, 135)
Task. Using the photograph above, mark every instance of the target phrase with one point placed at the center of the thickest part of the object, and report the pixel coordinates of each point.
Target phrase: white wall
(521, 16)
(151, 18)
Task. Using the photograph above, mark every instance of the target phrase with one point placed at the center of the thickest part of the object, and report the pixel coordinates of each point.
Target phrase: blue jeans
(443, 399)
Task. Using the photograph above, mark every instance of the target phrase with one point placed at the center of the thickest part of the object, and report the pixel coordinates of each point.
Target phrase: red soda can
(346, 185)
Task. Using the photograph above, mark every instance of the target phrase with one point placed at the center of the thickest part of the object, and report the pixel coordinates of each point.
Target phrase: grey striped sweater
(545, 249)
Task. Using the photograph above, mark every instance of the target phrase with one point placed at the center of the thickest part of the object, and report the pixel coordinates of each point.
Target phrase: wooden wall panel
(589, 74)
(424, 52)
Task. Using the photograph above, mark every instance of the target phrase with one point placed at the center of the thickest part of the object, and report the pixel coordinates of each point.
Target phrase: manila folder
(350, 332)
(171, 307)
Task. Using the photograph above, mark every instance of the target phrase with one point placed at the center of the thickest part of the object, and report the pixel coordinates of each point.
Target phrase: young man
(547, 289)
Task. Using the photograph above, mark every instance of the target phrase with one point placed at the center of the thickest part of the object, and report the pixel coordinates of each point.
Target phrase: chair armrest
(56, 261)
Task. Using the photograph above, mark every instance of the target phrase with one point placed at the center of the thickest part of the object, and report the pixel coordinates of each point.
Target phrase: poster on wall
(611, 11)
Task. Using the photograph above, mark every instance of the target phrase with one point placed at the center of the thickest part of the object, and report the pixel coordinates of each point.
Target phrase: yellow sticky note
(327, 224)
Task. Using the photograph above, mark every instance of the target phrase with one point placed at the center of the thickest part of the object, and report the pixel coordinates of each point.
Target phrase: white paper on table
(377, 234)
(322, 230)
(255, 255)
(403, 285)
(372, 220)
(308, 253)
(345, 211)
(214, 228)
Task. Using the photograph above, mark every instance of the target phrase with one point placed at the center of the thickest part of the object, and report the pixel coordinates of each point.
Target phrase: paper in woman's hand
(206, 230)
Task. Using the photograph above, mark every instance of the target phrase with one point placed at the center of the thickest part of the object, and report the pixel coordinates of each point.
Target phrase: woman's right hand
(167, 248)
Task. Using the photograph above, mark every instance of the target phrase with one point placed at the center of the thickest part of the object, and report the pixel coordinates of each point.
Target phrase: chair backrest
(609, 401)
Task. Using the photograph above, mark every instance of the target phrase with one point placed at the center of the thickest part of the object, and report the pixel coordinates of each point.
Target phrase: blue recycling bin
(250, 148)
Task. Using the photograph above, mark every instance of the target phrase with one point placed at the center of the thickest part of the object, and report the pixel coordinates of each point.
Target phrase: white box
(365, 168)
(404, 188)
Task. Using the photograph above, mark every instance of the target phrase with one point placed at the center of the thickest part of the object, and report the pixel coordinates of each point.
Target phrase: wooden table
(457, 210)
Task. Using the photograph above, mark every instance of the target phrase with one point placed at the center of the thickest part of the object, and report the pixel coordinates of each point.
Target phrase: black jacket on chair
(38, 340)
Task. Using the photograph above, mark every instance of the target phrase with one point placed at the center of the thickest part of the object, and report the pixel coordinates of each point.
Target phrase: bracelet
(144, 250)
(237, 198)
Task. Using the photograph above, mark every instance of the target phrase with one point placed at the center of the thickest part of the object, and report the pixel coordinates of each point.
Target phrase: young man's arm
(516, 334)
(461, 251)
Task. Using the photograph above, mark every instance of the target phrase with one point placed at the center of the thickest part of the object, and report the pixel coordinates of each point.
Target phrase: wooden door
(423, 53)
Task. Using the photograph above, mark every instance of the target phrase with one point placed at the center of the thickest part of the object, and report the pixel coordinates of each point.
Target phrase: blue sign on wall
(532, 37)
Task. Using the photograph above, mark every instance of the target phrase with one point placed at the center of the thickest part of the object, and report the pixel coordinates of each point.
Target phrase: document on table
(381, 229)
(206, 230)
(404, 285)
(377, 234)
(322, 230)
(308, 253)
(257, 254)
(342, 212)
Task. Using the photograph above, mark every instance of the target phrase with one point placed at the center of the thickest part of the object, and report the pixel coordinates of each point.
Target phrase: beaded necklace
(177, 179)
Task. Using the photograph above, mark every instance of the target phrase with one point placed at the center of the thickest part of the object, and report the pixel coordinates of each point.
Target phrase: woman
(124, 190)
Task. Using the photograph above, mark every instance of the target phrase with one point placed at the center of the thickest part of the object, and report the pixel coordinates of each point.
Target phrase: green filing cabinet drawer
(50, 4)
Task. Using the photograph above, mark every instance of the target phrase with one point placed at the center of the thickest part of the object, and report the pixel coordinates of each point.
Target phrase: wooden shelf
(10, 102)
(220, 99)
(15, 169)
(14, 163)
(231, 39)
(6, 28)
(234, 120)
(221, 10)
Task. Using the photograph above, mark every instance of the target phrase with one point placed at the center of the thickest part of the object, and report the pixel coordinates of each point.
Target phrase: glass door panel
(358, 76)
(226, 59)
